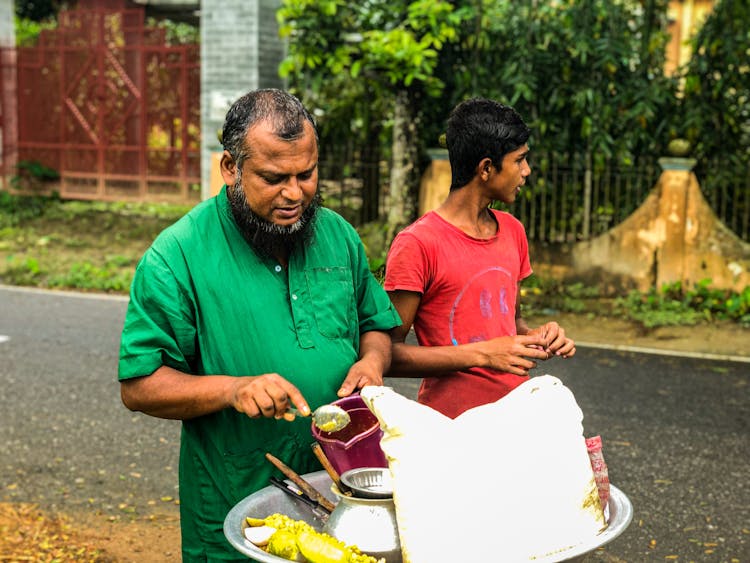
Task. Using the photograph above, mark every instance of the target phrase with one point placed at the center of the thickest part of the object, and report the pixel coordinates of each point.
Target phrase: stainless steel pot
(368, 523)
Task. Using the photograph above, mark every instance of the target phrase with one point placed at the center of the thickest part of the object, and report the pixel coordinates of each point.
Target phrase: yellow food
(329, 426)
(283, 544)
(295, 539)
(259, 535)
(255, 521)
(320, 548)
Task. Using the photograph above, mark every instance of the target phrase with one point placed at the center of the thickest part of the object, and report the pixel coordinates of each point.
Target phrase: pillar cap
(437, 154)
(676, 163)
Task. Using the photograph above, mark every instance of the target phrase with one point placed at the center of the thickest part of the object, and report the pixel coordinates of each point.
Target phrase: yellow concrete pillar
(215, 179)
(671, 219)
(674, 236)
(436, 181)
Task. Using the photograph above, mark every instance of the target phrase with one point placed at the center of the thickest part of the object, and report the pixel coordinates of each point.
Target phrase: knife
(286, 488)
(306, 487)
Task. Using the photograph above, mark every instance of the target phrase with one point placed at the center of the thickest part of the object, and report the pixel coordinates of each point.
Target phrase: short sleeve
(374, 309)
(522, 241)
(406, 265)
(159, 326)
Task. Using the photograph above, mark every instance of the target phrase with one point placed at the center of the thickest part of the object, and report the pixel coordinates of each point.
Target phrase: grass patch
(94, 246)
(88, 246)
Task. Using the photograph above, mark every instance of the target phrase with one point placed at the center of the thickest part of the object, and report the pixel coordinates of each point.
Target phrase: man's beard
(267, 238)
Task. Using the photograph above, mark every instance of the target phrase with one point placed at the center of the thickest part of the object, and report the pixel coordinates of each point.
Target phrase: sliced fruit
(259, 535)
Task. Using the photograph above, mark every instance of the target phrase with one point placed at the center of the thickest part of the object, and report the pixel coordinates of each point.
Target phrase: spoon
(328, 418)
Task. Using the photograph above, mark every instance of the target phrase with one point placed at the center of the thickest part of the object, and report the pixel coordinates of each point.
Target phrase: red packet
(601, 475)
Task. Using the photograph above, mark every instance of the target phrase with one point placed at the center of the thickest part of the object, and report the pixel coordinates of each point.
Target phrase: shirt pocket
(332, 294)
(250, 471)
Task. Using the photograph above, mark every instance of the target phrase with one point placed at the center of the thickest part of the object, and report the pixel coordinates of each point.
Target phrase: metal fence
(107, 104)
(730, 199)
(554, 207)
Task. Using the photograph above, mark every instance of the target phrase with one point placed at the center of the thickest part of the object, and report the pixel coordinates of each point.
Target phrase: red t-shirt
(468, 288)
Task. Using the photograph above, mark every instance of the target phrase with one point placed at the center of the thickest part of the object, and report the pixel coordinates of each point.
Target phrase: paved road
(675, 430)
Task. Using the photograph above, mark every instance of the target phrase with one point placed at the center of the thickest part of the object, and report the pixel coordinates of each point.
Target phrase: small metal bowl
(369, 482)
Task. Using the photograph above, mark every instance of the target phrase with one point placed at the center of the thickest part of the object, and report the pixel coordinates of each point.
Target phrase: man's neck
(467, 210)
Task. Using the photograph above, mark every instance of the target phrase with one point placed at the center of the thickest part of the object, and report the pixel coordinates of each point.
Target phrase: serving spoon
(328, 418)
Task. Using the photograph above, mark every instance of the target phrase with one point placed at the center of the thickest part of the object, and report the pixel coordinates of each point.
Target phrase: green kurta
(203, 302)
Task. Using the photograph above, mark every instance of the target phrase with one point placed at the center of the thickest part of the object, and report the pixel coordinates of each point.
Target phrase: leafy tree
(38, 10)
(586, 74)
(391, 49)
(176, 32)
(27, 31)
(716, 101)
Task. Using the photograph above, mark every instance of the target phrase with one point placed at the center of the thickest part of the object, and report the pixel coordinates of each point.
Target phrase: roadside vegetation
(87, 246)
(50, 243)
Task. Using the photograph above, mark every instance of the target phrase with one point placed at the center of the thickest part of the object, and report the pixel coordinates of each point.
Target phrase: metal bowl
(270, 499)
(369, 482)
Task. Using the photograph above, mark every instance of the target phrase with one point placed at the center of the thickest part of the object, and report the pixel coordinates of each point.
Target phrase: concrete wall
(674, 236)
(7, 33)
(240, 51)
(8, 119)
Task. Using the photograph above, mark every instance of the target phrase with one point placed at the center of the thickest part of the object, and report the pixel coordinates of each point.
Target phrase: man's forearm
(417, 361)
(375, 347)
(169, 393)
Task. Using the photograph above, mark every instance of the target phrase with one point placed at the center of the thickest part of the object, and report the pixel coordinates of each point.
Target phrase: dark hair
(285, 112)
(480, 128)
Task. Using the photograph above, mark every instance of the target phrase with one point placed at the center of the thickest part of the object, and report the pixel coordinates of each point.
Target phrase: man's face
(280, 178)
(274, 196)
(506, 183)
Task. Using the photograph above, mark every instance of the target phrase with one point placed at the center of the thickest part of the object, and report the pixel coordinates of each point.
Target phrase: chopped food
(259, 535)
(296, 540)
(318, 548)
(329, 426)
(283, 543)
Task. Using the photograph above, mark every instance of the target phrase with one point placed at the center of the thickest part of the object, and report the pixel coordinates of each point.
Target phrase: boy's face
(506, 182)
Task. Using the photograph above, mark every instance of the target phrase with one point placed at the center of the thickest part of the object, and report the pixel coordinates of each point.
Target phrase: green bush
(673, 305)
(84, 275)
(669, 305)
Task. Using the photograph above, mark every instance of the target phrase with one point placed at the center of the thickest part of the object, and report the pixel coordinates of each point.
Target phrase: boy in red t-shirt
(455, 273)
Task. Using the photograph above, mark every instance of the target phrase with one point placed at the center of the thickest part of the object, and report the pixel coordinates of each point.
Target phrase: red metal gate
(103, 100)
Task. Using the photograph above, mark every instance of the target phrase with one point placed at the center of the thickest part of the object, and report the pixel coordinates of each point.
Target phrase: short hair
(480, 128)
(283, 110)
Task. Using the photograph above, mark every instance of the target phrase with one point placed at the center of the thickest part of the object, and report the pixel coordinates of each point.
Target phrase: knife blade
(306, 487)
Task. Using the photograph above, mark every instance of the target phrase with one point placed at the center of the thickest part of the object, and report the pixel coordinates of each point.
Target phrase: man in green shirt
(256, 300)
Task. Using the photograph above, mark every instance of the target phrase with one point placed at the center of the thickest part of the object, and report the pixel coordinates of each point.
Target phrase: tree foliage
(38, 10)
(717, 85)
(390, 49)
(587, 74)
(392, 43)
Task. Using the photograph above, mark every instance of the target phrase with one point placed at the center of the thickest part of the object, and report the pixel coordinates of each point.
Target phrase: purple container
(357, 444)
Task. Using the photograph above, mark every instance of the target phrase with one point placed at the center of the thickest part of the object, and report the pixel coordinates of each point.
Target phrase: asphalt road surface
(675, 430)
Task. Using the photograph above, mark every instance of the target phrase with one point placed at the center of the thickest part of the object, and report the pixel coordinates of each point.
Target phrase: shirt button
(277, 268)
(294, 297)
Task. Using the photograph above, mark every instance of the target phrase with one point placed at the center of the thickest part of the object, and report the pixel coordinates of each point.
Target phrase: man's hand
(556, 343)
(361, 374)
(268, 395)
(513, 354)
(374, 361)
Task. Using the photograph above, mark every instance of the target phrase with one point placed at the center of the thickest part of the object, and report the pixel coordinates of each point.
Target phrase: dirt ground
(715, 339)
(28, 534)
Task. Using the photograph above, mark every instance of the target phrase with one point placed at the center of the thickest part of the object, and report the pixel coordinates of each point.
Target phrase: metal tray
(270, 500)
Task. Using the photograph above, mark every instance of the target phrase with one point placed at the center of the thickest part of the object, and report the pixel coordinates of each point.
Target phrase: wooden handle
(306, 487)
(325, 462)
